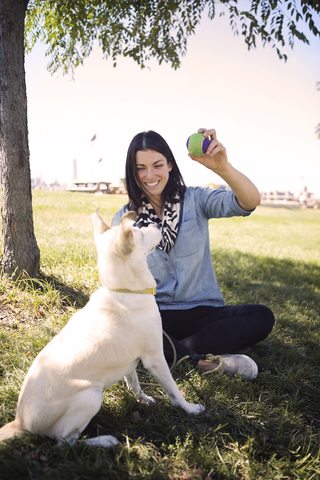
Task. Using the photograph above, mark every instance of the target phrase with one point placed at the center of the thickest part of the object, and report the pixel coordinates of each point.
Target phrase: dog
(102, 343)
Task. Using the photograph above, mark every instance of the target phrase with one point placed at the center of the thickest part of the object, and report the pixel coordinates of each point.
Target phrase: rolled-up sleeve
(219, 203)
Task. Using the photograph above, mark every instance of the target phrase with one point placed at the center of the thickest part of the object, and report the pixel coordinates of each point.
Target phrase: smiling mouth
(154, 184)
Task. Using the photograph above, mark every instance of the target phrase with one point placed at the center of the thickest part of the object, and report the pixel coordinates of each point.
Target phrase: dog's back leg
(134, 385)
(10, 430)
(160, 370)
(84, 405)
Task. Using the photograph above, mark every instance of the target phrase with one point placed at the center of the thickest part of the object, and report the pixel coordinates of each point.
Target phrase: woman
(192, 308)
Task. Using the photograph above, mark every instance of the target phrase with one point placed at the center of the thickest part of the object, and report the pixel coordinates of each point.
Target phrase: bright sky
(264, 111)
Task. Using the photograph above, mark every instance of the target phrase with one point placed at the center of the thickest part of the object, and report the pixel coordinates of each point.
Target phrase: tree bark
(20, 252)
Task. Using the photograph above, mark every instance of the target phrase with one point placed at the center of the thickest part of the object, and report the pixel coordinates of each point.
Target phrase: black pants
(217, 330)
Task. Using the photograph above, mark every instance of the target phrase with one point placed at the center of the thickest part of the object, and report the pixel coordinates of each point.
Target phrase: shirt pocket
(188, 239)
(151, 260)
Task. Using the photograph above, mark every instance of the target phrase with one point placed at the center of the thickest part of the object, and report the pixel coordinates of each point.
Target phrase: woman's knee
(260, 317)
(266, 318)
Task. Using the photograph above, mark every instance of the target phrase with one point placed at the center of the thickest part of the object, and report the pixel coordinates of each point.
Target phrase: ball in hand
(197, 144)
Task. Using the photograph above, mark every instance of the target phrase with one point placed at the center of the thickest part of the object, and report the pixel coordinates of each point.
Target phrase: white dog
(101, 344)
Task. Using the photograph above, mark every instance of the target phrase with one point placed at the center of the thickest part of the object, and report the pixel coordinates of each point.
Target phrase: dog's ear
(130, 216)
(125, 241)
(99, 225)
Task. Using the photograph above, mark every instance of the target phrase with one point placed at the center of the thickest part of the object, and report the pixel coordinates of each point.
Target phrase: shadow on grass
(77, 296)
(70, 295)
(252, 421)
(290, 289)
(278, 413)
(270, 271)
(28, 300)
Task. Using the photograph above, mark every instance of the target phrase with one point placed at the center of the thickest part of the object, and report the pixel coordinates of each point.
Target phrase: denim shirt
(184, 275)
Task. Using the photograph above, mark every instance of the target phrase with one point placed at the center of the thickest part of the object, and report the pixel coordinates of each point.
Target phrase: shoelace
(216, 359)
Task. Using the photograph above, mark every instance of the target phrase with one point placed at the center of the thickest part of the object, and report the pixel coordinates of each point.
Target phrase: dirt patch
(9, 317)
(13, 317)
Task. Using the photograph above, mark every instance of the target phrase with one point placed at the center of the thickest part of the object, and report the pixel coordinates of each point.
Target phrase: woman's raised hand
(215, 158)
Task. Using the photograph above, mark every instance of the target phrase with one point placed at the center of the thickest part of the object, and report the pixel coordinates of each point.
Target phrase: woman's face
(153, 170)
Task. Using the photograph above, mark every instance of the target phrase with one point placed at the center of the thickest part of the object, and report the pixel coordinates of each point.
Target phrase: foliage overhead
(144, 29)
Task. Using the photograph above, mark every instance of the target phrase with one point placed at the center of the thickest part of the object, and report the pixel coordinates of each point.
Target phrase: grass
(265, 429)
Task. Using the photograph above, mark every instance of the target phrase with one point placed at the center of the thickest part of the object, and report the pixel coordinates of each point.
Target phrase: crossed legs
(216, 330)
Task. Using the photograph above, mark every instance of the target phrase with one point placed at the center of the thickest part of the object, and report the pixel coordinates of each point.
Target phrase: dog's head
(122, 251)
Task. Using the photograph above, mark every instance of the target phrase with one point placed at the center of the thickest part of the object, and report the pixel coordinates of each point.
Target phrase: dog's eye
(141, 238)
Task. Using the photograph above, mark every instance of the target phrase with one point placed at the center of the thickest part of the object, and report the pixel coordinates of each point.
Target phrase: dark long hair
(151, 141)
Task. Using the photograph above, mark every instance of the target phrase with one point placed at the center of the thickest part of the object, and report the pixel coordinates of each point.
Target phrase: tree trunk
(20, 252)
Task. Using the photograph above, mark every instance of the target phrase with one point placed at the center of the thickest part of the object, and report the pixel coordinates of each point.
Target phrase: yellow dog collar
(151, 290)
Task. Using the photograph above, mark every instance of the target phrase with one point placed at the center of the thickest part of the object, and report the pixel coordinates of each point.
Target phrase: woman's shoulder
(197, 193)
(205, 192)
(117, 217)
(198, 190)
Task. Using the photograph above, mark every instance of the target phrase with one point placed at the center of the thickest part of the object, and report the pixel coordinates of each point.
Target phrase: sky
(264, 111)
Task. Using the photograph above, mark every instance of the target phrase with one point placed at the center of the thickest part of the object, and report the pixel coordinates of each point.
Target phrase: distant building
(304, 199)
(278, 196)
(308, 200)
(38, 184)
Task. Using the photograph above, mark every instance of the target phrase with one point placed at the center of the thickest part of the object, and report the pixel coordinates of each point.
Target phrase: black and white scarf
(169, 224)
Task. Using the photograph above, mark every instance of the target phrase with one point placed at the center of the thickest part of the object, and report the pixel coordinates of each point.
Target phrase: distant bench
(91, 187)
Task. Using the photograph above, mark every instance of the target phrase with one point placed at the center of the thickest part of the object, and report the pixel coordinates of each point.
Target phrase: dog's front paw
(106, 441)
(145, 398)
(195, 408)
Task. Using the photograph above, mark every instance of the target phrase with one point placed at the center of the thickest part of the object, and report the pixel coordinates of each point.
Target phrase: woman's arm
(216, 159)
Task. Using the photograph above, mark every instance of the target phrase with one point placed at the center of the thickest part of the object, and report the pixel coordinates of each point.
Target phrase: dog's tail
(10, 430)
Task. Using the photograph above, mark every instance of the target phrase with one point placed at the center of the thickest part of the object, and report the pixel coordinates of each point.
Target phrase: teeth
(152, 184)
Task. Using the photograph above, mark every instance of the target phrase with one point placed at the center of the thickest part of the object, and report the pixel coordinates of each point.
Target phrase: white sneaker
(239, 365)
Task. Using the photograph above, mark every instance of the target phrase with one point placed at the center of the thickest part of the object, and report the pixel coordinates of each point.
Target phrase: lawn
(268, 428)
